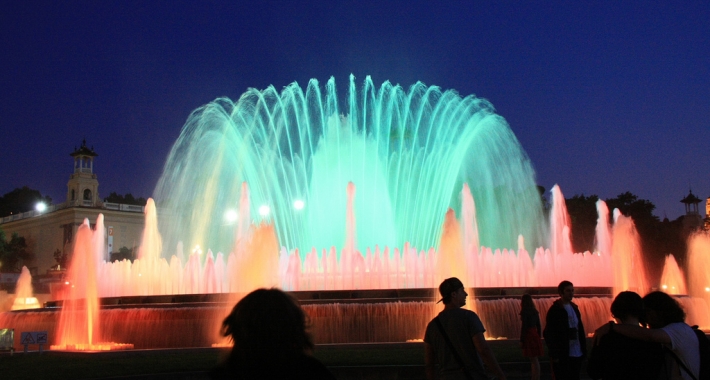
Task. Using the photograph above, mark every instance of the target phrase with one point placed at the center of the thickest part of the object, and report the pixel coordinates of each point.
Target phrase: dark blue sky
(604, 96)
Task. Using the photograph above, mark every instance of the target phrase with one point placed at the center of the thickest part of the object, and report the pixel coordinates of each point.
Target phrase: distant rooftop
(60, 206)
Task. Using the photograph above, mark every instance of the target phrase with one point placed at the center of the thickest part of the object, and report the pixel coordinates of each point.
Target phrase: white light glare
(264, 210)
(298, 204)
(40, 206)
(231, 216)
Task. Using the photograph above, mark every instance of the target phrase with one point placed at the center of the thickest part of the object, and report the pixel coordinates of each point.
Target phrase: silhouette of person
(268, 329)
(454, 339)
(616, 356)
(666, 318)
(564, 335)
(530, 333)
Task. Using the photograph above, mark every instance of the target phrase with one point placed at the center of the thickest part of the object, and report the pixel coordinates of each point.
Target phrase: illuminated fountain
(390, 190)
(699, 278)
(408, 153)
(672, 279)
(79, 327)
(24, 299)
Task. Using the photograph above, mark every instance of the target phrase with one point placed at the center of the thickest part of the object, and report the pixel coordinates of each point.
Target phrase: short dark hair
(627, 304)
(666, 307)
(267, 324)
(561, 287)
(447, 287)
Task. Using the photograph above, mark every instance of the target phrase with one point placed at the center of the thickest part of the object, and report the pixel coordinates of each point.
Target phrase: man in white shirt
(564, 335)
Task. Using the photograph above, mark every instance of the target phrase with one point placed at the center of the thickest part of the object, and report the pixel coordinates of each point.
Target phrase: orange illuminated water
(257, 260)
(78, 319)
(24, 299)
(699, 276)
(91, 347)
(672, 279)
(79, 326)
(254, 264)
(627, 259)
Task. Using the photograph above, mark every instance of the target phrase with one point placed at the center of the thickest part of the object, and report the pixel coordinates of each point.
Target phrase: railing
(123, 207)
(82, 203)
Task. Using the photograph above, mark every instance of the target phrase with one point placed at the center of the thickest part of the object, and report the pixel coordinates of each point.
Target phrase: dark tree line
(124, 253)
(127, 199)
(658, 237)
(21, 200)
(13, 252)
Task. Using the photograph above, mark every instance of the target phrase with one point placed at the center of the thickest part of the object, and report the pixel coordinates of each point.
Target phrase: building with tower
(83, 187)
(52, 230)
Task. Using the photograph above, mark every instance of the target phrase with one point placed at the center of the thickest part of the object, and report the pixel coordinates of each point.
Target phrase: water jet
(390, 191)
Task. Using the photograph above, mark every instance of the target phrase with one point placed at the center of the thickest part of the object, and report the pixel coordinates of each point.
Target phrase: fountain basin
(336, 317)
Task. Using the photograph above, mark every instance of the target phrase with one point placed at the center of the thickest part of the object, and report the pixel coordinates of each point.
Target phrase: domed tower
(691, 203)
(692, 217)
(83, 188)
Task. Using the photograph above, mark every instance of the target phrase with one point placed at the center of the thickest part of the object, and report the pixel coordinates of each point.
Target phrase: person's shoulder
(680, 329)
(556, 305)
(677, 326)
(458, 314)
(441, 314)
(467, 313)
(430, 328)
(431, 324)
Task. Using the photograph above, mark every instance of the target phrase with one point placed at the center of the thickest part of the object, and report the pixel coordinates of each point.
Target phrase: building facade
(53, 229)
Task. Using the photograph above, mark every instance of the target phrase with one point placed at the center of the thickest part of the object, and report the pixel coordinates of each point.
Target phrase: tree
(13, 253)
(62, 259)
(640, 210)
(583, 218)
(658, 239)
(546, 206)
(21, 200)
(127, 199)
(648, 227)
(124, 253)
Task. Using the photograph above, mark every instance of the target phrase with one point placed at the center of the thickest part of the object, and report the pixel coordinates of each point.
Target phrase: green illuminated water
(408, 152)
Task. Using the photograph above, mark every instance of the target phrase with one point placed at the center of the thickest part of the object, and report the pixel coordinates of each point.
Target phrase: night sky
(604, 96)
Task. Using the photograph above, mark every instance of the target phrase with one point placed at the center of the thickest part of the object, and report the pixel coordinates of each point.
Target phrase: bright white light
(707, 289)
(298, 204)
(664, 286)
(264, 210)
(231, 216)
(40, 206)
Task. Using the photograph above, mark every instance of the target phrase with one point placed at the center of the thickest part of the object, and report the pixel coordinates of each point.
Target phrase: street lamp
(40, 206)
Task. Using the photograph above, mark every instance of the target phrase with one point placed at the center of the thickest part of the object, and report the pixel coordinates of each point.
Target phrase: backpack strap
(453, 349)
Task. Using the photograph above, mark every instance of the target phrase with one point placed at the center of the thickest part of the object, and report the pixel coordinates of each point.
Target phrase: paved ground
(512, 370)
